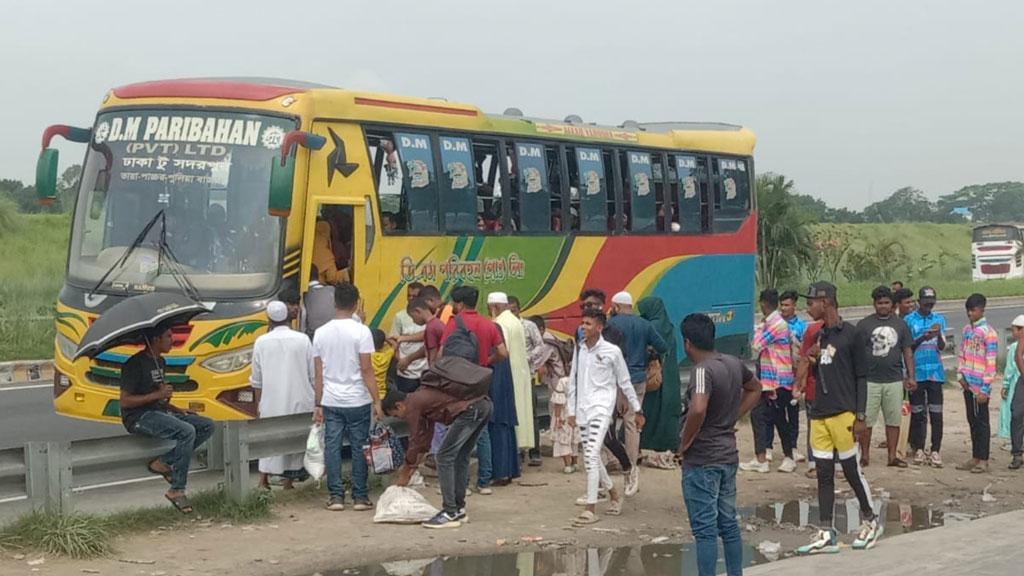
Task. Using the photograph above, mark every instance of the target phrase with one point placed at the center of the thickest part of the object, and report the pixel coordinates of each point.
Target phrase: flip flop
(181, 503)
(614, 508)
(585, 518)
(979, 469)
(897, 463)
(166, 475)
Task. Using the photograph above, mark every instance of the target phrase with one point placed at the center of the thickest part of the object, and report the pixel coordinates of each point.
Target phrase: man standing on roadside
(282, 375)
(406, 338)
(318, 305)
(787, 307)
(890, 364)
(1013, 392)
(773, 346)
(976, 368)
(535, 357)
(720, 392)
(904, 301)
(928, 329)
(837, 419)
(640, 337)
(346, 395)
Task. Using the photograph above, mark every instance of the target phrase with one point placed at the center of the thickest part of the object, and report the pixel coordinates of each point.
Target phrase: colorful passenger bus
(231, 189)
(997, 251)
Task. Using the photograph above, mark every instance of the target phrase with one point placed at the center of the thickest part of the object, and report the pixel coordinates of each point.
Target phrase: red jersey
(488, 335)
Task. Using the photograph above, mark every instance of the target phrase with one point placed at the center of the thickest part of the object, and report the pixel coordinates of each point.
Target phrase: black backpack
(462, 343)
(459, 378)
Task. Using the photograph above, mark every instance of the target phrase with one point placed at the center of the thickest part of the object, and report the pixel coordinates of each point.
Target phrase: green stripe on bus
(556, 270)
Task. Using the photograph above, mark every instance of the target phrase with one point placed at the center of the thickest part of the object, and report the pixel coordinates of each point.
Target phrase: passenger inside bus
(332, 244)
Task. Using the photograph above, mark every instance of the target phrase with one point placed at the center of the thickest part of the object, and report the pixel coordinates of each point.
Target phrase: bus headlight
(230, 361)
(66, 347)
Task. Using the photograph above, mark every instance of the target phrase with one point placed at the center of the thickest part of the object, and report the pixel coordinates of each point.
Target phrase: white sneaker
(799, 457)
(755, 466)
(919, 458)
(788, 465)
(633, 481)
(824, 542)
(768, 454)
(870, 532)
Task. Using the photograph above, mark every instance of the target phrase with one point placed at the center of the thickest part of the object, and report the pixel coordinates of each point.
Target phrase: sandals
(585, 518)
(180, 502)
(897, 463)
(966, 466)
(614, 508)
(979, 469)
(166, 475)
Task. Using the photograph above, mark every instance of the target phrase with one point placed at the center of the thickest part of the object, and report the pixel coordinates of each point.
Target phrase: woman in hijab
(662, 407)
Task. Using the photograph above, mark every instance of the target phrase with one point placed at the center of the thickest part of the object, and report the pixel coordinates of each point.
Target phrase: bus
(997, 251)
(231, 189)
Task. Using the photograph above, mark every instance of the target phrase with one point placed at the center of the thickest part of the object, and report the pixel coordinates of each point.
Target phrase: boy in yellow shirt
(382, 360)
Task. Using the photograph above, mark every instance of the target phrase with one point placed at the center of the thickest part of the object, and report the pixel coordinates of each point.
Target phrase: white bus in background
(997, 251)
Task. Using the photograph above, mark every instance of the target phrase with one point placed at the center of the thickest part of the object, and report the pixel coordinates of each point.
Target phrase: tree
(67, 187)
(904, 205)
(992, 202)
(783, 246)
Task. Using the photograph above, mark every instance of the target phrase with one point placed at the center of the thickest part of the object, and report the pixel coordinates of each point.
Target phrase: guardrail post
(48, 476)
(236, 459)
(215, 448)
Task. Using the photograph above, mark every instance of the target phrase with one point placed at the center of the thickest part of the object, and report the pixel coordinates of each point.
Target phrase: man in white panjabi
(282, 376)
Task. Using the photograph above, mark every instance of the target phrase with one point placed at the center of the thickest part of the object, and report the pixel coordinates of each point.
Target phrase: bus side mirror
(281, 179)
(46, 176)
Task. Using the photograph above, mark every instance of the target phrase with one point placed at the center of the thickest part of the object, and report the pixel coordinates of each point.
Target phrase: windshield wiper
(163, 249)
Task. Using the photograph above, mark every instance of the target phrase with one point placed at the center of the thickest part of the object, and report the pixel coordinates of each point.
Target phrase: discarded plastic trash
(660, 540)
(770, 549)
(401, 505)
(985, 496)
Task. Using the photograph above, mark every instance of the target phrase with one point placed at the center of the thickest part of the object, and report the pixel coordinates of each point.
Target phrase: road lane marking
(26, 387)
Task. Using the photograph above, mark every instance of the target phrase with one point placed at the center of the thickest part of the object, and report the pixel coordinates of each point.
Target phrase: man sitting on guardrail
(146, 410)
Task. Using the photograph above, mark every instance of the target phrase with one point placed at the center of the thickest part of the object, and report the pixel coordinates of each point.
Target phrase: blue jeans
(484, 470)
(710, 496)
(352, 424)
(187, 430)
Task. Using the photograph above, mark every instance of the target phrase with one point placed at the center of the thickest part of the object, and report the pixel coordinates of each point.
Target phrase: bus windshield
(209, 173)
(996, 234)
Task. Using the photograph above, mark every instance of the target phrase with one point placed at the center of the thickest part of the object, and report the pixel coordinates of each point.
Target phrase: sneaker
(443, 520)
(936, 460)
(483, 490)
(755, 466)
(336, 504)
(1017, 463)
(799, 457)
(824, 542)
(633, 481)
(362, 505)
(569, 470)
(919, 457)
(768, 454)
(462, 516)
(601, 497)
(788, 465)
(870, 532)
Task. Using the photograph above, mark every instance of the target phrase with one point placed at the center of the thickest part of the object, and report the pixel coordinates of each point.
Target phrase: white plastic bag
(313, 461)
(402, 505)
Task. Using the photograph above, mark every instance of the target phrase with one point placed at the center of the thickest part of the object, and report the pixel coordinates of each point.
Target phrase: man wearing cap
(927, 328)
(641, 337)
(519, 362)
(837, 418)
(1013, 393)
(282, 376)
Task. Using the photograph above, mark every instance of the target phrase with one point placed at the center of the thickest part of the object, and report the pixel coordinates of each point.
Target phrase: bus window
(686, 194)
(535, 187)
(732, 193)
(589, 184)
(406, 179)
(489, 210)
(458, 184)
(639, 186)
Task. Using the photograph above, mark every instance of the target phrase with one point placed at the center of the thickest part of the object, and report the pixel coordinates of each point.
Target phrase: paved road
(28, 415)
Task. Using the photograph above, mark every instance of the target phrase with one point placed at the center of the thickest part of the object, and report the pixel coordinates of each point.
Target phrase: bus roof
(333, 103)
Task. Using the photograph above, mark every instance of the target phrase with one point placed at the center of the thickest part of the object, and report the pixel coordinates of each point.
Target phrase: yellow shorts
(833, 433)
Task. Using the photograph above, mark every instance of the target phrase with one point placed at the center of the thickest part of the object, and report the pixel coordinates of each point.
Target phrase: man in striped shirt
(976, 368)
(773, 346)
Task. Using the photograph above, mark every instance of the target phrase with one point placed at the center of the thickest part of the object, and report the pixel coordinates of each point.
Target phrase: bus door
(335, 240)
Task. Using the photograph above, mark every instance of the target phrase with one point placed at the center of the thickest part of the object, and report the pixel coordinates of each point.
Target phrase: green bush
(73, 535)
(9, 219)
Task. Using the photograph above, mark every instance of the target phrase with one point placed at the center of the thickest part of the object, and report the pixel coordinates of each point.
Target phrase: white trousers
(592, 432)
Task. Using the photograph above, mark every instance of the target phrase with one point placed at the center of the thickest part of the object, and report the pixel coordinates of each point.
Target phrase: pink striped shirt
(979, 347)
(773, 345)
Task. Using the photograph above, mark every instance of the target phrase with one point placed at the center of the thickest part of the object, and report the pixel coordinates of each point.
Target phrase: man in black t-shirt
(721, 390)
(146, 410)
(890, 369)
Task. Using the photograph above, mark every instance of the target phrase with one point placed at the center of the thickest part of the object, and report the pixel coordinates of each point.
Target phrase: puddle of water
(650, 560)
(899, 518)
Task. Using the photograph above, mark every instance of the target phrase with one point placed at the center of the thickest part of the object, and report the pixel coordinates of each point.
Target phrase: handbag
(654, 375)
(383, 453)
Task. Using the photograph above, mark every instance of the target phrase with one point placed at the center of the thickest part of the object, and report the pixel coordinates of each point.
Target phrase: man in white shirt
(598, 373)
(282, 376)
(407, 338)
(346, 395)
(535, 357)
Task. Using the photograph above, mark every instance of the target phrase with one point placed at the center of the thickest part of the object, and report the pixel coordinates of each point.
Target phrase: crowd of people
(614, 397)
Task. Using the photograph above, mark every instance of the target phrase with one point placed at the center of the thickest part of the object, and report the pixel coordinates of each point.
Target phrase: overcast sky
(852, 100)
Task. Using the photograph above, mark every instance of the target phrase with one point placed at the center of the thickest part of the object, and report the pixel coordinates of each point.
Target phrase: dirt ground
(303, 538)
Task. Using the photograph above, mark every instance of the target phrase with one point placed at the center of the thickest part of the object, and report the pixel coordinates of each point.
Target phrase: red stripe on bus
(204, 89)
(416, 107)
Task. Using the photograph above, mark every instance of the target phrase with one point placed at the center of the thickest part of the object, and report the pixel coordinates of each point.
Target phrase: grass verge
(89, 535)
